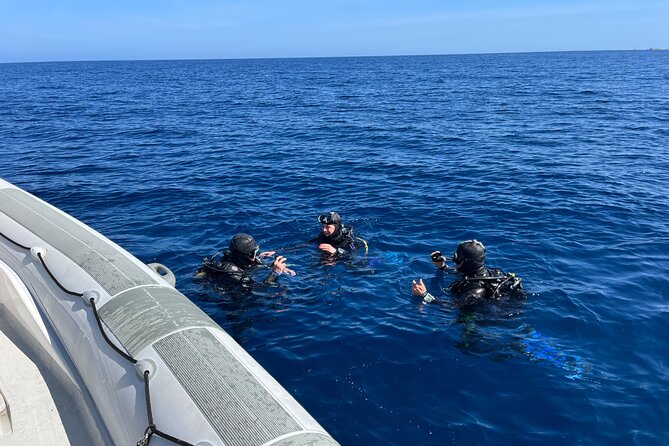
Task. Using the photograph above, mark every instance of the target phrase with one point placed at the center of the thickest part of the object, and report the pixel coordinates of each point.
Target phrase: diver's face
(328, 230)
(255, 254)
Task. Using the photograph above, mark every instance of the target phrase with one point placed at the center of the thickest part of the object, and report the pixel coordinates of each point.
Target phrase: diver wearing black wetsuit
(476, 282)
(336, 235)
(235, 266)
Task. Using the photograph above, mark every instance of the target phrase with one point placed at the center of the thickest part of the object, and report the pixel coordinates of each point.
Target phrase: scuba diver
(476, 282)
(235, 266)
(335, 239)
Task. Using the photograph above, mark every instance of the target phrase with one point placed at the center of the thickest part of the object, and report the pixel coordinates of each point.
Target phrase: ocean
(557, 162)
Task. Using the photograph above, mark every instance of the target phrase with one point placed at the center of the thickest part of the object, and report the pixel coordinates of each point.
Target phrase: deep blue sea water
(558, 162)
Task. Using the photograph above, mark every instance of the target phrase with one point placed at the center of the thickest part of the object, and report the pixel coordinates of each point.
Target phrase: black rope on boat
(171, 438)
(13, 242)
(147, 396)
(151, 429)
(65, 290)
(104, 335)
(95, 311)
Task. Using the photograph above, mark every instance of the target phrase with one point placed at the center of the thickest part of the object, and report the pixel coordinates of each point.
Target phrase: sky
(73, 30)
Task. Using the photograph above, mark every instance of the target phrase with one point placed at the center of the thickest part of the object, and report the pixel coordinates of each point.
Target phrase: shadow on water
(497, 329)
(238, 309)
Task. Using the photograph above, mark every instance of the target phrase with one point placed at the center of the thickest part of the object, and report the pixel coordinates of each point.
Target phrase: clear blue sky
(202, 29)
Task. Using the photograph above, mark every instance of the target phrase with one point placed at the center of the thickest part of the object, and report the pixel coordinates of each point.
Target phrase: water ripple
(558, 162)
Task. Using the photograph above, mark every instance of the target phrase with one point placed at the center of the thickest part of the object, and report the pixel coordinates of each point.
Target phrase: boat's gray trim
(102, 261)
(140, 316)
(237, 406)
(307, 439)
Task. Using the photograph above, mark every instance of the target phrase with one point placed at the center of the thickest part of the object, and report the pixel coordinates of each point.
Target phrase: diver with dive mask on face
(335, 238)
(475, 282)
(235, 265)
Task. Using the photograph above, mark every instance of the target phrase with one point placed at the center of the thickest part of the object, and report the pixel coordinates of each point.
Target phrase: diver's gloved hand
(438, 260)
(279, 266)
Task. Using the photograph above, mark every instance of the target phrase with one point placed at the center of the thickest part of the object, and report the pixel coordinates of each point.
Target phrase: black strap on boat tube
(65, 290)
(147, 396)
(95, 312)
(13, 242)
(104, 335)
(171, 438)
(151, 429)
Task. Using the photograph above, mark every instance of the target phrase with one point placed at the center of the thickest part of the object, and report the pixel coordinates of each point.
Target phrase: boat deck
(29, 415)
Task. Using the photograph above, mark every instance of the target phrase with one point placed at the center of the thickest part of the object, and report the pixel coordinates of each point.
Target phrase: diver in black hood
(335, 238)
(476, 282)
(234, 266)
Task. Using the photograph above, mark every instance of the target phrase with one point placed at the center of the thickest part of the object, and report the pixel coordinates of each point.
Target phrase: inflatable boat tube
(203, 388)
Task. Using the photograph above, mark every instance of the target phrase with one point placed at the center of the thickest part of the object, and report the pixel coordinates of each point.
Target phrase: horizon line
(333, 57)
